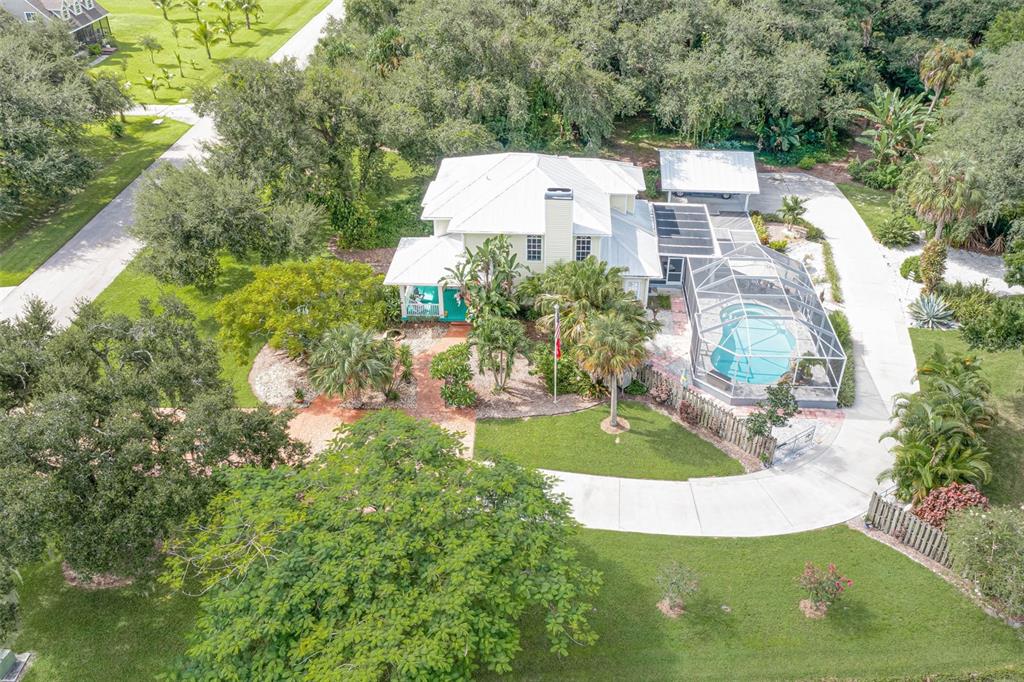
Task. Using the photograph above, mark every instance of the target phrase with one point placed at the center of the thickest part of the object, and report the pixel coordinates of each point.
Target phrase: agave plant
(929, 311)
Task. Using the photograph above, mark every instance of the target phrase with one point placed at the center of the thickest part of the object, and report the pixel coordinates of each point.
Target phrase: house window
(89, 4)
(582, 248)
(534, 248)
(30, 16)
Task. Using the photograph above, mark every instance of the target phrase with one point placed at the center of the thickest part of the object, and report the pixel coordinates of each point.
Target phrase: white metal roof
(424, 260)
(708, 170)
(634, 243)
(504, 193)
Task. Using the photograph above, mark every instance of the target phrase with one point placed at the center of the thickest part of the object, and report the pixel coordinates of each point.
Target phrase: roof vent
(559, 193)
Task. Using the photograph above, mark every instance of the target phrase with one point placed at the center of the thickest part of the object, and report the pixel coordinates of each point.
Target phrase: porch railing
(415, 310)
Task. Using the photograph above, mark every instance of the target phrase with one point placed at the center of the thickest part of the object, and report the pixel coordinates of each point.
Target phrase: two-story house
(87, 20)
(552, 209)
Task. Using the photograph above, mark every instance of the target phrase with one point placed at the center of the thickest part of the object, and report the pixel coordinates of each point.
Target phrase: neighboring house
(552, 209)
(87, 20)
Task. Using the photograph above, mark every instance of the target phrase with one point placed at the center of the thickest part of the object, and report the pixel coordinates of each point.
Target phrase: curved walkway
(822, 488)
(89, 262)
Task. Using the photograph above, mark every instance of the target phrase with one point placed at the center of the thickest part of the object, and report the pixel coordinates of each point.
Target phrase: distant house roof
(708, 171)
(504, 193)
(424, 260)
(634, 243)
(88, 12)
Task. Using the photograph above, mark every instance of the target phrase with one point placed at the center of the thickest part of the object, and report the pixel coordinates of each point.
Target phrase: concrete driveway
(89, 262)
(824, 487)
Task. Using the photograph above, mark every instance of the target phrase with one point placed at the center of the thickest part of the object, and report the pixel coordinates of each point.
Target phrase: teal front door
(454, 309)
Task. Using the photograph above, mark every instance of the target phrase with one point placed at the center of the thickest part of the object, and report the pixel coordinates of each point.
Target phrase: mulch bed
(378, 259)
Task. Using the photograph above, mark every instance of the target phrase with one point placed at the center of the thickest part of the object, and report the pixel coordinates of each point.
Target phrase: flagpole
(558, 332)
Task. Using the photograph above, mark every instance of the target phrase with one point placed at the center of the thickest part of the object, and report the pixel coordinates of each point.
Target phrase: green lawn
(872, 204)
(130, 20)
(124, 293)
(26, 243)
(101, 635)
(1005, 370)
(897, 621)
(654, 447)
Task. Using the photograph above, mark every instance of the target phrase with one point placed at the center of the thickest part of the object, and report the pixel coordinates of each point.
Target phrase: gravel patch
(524, 395)
(274, 378)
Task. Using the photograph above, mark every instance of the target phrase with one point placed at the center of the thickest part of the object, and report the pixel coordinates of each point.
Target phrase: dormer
(623, 203)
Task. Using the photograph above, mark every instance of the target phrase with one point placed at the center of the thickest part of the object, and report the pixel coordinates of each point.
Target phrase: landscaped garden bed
(654, 447)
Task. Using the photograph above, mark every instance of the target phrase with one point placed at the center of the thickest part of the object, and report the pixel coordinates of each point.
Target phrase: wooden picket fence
(709, 415)
(892, 519)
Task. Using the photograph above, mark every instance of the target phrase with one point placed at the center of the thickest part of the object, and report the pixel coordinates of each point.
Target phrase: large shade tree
(391, 558)
(118, 431)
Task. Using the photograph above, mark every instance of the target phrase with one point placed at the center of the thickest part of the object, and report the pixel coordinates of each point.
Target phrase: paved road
(823, 487)
(90, 261)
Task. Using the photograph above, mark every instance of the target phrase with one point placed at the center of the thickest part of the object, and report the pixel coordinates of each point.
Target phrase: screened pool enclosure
(756, 319)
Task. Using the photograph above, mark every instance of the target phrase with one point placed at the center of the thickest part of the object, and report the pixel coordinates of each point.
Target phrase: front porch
(420, 269)
(431, 302)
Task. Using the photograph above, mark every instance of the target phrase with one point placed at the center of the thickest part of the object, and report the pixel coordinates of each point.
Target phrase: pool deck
(830, 483)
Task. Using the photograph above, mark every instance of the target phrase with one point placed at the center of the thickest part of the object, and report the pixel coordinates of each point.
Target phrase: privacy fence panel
(708, 414)
(892, 519)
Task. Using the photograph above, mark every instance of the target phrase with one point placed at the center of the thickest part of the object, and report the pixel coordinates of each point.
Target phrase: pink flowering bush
(941, 502)
(824, 587)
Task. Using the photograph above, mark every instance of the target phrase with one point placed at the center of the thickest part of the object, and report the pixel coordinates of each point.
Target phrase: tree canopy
(113, 431)
(391, 558)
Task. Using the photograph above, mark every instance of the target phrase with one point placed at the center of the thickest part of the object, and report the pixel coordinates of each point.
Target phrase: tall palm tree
(206, 36)
(943, 65)
(250, 8)
(228, 27)
(349, 360)
(165, 6)
(227, 6)
(944, 189)
(611, 345)
(194, 6)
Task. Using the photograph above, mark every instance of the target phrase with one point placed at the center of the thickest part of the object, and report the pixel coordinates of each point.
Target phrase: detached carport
(721, 179)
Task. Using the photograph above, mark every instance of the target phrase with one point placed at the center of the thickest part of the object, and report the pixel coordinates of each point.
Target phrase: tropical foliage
(941, 503)
(776, 409)
(498, 341)
(932, 265)
(486, 279)
(939, 430)
(997, 326)
(931, 312)
(612, 344)
(452, 367)
(291, 305)
(426, 562)
(93, 462)
(349, 359)
(986, 547)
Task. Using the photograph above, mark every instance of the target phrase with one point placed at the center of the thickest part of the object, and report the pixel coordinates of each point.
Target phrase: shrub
(929, 311)
(452, 366)
(832, 272)
(571, 379)
(897, 231)
(678, 583)
(933, 264)
(760, 228)
(661, 302)
(848, 384)
(661, 393)
(116, 128)
(942, 502)
(806, 162)
(776, 409)
(879, 176)
(967, 301)
(986, 547)
(999, 327)
(779, 245)
(688, 413)
(814, 233)
(910, 268)
(823, 587)
(636, 388)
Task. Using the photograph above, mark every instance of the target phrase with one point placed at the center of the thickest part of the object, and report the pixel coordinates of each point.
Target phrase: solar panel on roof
(683, 230)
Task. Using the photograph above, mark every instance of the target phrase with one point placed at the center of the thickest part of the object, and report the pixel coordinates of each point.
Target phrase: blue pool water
(754, 349)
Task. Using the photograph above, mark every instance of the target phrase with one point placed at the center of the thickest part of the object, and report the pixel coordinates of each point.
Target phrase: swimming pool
(754, 348)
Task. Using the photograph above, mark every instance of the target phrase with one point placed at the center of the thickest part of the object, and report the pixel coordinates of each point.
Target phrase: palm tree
(582, 289)
(943, 65)
(944, 189)
(151, 45)
(153, 83)
(349, 360)
(900, 125)
(227, 6)
(165, 6)
(194, 6)
(206, 36)
(228, 27)
(498, 340)
(250, 8)
(793, 207)
(611, 345)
